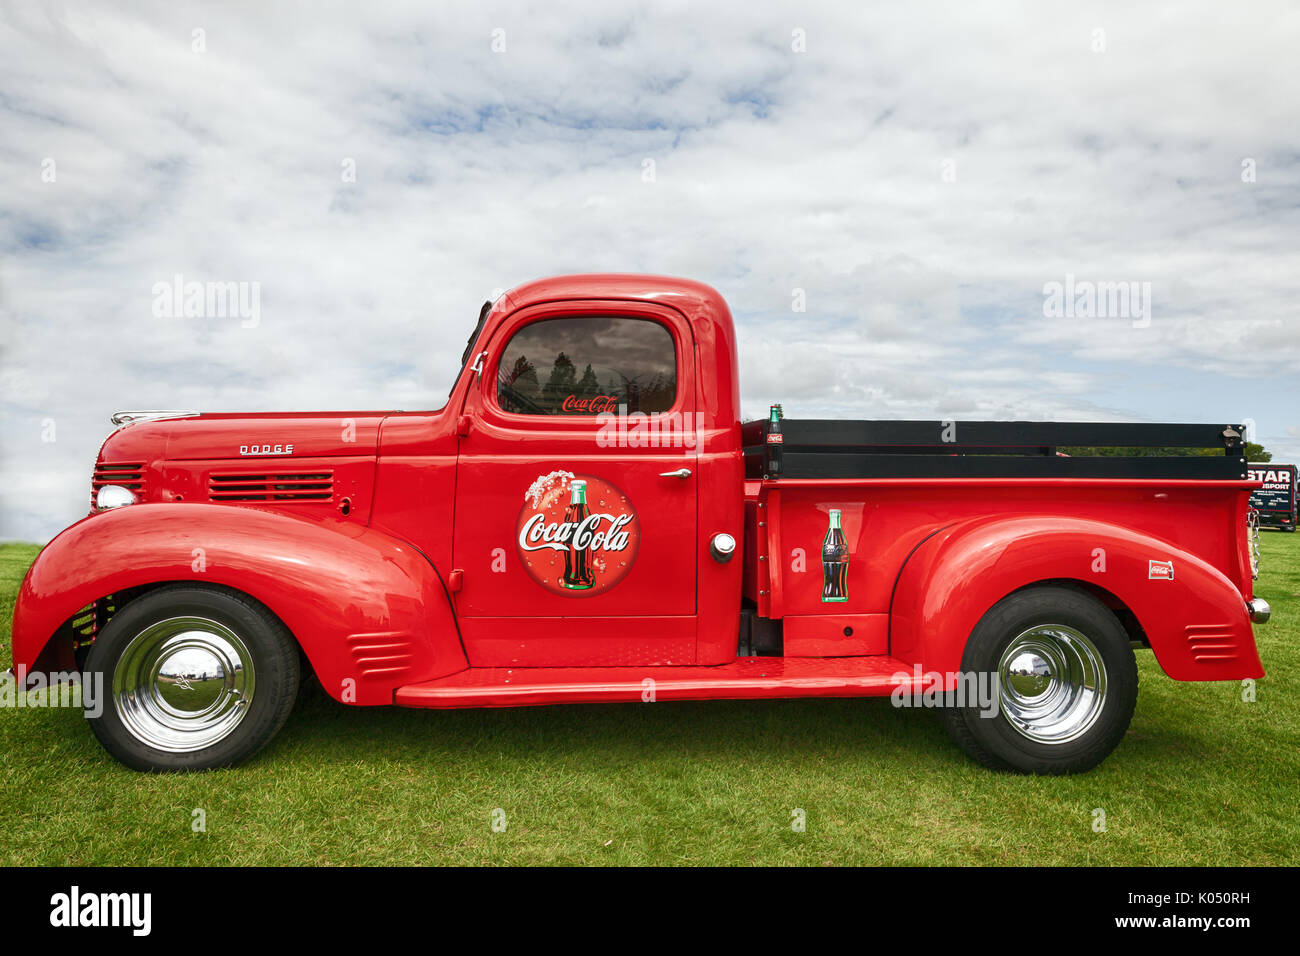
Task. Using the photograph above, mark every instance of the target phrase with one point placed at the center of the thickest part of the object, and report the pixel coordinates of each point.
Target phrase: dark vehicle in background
(1276, 501)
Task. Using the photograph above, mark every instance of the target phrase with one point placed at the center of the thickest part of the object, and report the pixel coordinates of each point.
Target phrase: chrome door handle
(679, 473)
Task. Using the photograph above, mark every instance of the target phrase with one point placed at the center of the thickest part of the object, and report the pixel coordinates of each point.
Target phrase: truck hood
(208, 436)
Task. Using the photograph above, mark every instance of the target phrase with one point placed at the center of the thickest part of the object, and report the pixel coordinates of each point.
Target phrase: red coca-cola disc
(611, 533)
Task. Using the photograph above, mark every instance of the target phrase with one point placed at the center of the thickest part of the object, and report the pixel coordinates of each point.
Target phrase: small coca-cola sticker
(1160, 570)
(577, 534)
(776, 438)
(593, 405)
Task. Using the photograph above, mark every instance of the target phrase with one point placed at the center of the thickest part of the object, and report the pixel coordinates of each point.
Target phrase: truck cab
(588, 519)
(631, 390)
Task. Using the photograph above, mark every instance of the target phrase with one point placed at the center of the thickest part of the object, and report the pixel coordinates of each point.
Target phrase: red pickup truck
(587, 520)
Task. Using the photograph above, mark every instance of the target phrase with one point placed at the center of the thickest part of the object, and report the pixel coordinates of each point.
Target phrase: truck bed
(1118, 524)
(829, 448)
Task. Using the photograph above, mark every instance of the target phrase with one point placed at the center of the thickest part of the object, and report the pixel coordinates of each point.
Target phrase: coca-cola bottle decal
(775, 442)
(577, 557)
(835, 562)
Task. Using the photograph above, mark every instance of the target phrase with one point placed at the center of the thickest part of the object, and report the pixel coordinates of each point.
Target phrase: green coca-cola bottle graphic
(577, 557)
(835, 562)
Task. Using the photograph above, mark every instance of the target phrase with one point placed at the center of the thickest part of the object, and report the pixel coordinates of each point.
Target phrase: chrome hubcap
(183, 684)
(1051, 683)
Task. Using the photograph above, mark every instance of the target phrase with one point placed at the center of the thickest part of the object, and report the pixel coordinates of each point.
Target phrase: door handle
(679, 473)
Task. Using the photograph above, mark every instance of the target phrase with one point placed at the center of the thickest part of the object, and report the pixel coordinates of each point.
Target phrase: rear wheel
(193, 678)
(1063, 679)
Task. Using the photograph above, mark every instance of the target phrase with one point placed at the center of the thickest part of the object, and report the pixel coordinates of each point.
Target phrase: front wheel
(1063, 683)
(192, 678)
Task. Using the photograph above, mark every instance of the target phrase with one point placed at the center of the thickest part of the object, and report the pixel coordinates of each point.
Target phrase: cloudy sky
(921, 173)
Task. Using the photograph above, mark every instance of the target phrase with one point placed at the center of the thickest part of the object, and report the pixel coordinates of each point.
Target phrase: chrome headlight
(114, 496)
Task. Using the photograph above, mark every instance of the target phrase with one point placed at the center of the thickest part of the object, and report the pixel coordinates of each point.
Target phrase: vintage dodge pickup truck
(588, 520)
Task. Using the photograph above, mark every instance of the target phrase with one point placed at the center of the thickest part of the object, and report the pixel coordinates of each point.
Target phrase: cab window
(585, 365)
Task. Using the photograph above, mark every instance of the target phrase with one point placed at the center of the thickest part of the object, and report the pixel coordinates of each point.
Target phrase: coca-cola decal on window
(578, 534)
(595, 405)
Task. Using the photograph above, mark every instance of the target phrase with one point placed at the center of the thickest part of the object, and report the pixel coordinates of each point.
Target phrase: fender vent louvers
(381, 654)
(1211, 643)
(281, 487)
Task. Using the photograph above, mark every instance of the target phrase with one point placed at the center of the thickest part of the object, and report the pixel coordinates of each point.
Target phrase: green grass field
(1202, 778)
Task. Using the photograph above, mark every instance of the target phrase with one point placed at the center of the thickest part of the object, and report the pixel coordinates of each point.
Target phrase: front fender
(1197, 623)
(366, 608)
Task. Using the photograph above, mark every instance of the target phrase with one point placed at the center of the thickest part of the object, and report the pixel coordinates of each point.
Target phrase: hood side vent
(280, 487)
(127, 474)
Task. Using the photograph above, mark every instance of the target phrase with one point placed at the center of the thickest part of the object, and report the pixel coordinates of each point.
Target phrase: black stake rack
(829, 448)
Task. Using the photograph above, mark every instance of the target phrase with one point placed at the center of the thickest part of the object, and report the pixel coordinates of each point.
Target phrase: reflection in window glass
(588, 365)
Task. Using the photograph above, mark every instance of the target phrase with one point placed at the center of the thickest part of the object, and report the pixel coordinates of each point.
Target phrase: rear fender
(1196, 622)
(369, 610)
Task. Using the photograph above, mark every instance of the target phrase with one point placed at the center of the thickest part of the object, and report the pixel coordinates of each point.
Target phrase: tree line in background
(1254, 452)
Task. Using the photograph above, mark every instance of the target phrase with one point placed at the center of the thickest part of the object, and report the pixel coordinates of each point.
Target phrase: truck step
(746, 677)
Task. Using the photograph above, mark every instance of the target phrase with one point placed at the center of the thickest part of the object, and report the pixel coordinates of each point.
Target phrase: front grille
(127, 474)
(281, 486)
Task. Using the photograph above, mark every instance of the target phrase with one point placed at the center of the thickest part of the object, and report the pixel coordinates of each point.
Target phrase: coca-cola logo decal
(577, 534)
(595, 405)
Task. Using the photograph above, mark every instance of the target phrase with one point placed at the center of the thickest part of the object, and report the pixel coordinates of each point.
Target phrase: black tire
(1067, 614)
(240, 722)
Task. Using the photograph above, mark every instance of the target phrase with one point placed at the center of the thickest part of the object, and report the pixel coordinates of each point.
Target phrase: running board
(743, 679)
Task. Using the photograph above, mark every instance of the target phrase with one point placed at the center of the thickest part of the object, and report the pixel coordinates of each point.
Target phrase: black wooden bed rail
(829, 448)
